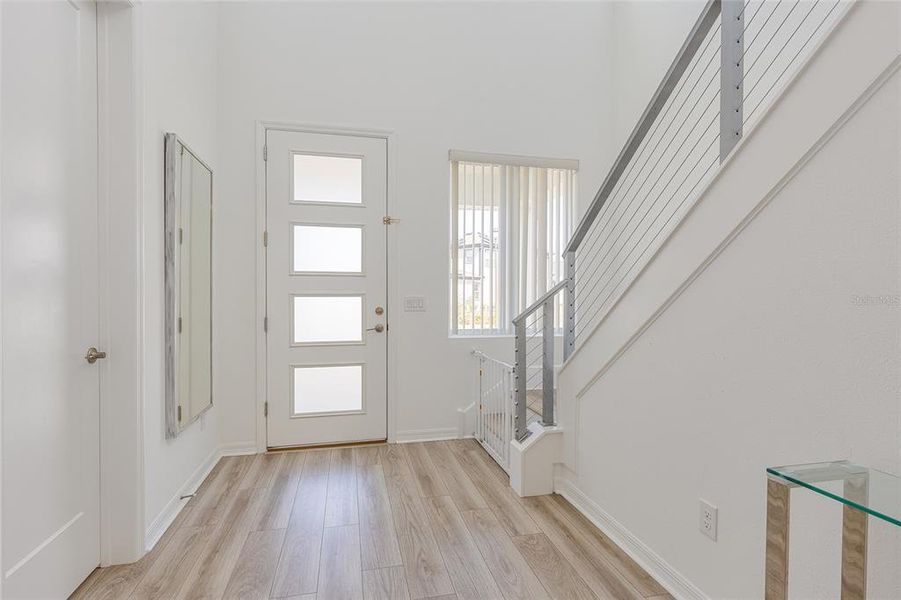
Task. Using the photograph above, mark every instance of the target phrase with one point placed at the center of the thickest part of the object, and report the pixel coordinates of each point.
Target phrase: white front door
(50, 394)
(326, 288)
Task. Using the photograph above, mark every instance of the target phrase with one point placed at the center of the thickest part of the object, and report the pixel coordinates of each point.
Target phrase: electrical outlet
(707, 519)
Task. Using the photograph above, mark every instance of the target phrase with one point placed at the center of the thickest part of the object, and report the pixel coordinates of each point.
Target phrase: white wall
(741, 346)
(516, 78)
(180, 51)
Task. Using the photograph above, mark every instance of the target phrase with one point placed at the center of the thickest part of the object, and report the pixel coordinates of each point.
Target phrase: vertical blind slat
(481, 243)
(454, 245)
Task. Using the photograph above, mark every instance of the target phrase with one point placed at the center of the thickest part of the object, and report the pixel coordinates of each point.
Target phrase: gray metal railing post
(520, 379)
(569, 306)
(547, 363)
(732, 33)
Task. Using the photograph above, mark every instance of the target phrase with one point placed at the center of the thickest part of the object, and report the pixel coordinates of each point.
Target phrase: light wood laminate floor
(425, 520)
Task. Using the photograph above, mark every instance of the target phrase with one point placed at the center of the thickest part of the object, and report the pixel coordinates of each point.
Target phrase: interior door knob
(378, 328)
(94, 354)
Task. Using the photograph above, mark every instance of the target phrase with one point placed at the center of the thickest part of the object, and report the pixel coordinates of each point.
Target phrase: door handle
(94, 354)
(378, 328)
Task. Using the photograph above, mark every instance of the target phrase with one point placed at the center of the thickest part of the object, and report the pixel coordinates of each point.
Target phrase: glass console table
(862, 491)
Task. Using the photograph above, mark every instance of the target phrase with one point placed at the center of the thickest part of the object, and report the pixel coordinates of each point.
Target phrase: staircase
(736, 61)
(718, 317)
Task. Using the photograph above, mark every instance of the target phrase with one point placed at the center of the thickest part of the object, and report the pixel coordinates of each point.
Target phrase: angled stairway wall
(765, 331)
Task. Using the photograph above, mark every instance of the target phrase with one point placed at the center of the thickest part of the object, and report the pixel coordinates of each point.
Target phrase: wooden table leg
(854, 541)
(777, 514)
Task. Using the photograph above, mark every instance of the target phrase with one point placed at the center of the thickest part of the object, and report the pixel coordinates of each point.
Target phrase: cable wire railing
(534, 373)
(737, 58)
(733, 64)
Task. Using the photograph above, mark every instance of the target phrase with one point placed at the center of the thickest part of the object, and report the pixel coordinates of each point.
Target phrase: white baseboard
(238, 448)
(466, 419)
(427, 435)
(164, 519)
(161, 523)
(674, 582)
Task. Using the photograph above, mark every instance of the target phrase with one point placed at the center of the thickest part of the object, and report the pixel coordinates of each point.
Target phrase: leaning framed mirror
(189, 279)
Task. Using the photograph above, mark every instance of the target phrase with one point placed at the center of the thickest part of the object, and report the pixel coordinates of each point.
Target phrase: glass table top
(874, 492)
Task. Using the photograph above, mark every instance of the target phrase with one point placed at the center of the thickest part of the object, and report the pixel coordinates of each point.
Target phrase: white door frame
(120, 214)
(394, 303)
(1, 339)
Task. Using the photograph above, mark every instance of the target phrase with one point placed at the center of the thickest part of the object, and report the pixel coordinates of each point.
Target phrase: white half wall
(180, 59)
(516, 78)
(766, 331)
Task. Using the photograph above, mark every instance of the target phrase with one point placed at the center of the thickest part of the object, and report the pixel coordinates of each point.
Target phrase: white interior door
(50, 393)
(326, 288)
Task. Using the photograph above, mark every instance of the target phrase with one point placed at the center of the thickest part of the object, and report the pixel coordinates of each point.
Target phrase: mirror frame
(173, 148)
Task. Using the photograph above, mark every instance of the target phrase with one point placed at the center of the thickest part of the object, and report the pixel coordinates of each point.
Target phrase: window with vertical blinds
(511, 218)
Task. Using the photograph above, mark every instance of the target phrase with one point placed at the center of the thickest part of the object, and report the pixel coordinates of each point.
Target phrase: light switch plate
(414, 303)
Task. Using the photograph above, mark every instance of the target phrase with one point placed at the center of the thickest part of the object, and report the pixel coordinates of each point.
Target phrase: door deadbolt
(379, 310)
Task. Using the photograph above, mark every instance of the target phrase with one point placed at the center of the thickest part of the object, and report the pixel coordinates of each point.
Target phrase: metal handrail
(521, 379)
(702, 27)
(729, 13)
(538, 303)
(658, 100)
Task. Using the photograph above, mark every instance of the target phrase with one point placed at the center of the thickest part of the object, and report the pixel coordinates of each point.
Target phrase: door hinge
(265, 324)
(265, 239)
(265, 409)
(179, 324)
(181, 235)
(179, 413)
(265, 152)
(390, 220)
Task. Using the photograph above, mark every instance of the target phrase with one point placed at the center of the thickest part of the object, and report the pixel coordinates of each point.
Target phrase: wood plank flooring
(391, 522)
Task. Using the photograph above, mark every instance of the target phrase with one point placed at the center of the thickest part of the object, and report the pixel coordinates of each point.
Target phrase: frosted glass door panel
(327, 249)
(328, 389)
(328, 319)
(328, 179)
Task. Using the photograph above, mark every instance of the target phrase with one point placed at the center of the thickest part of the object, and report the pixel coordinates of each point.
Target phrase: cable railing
(736, 60)
(534, 373)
